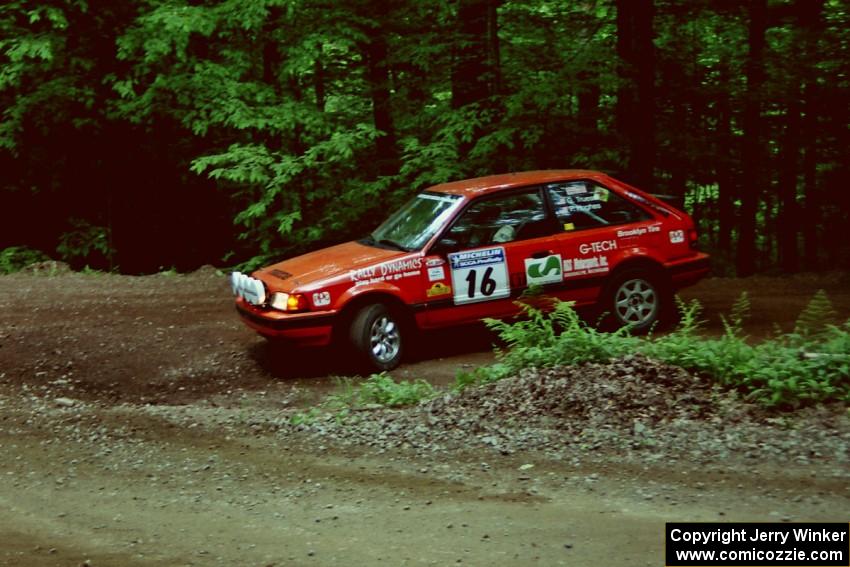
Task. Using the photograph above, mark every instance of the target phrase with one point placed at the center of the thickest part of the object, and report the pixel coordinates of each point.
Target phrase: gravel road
(142, 424)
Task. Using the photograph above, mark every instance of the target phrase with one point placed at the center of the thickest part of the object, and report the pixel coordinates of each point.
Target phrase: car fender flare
(637, 257)
(356, 297)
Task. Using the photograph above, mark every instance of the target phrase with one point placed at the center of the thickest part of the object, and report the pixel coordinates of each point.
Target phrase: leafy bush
(811, 364)
(542, 340)
(381, 389)
(16, 258)
(84, 242)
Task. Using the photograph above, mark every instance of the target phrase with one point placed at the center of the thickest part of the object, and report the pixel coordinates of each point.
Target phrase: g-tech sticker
(322, 298)
(600, 246)
(540, 271)
(677, 236)
(479, 275)
(436, 273)
(438, 289)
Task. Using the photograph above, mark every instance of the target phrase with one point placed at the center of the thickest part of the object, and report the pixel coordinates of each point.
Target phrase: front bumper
(304, 329)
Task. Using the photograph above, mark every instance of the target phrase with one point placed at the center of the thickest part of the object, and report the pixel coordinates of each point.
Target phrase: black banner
(757, 544)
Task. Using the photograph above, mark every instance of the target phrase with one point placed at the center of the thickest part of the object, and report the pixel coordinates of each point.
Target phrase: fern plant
(814, 322)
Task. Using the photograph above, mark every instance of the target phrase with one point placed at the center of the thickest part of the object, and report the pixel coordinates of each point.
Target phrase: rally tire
(376, 337)
(636, 298)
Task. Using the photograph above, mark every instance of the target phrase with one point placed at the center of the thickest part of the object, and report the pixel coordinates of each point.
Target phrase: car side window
(498, 220)
(580, 205)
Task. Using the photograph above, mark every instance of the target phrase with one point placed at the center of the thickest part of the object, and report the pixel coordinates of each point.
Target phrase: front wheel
(636, 299)
(377, 337)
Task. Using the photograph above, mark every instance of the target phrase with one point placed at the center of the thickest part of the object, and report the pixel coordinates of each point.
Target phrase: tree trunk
(587, 121)
(725, 179)
(636, 92)
(379, 86)
(494, 51)
(751, 152)
(319, 83)
(473, 75)
(788, 226)
(809, 17)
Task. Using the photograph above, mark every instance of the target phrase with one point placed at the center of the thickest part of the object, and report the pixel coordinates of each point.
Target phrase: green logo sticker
(546, 270)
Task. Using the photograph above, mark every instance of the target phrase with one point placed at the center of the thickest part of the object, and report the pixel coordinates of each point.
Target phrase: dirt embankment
(142, 424)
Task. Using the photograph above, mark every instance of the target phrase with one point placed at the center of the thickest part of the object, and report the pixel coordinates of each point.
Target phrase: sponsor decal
(387, 272)
(431, 262)
(438, 288)
(677, 236)
(479, 275)
(639, 231)
(567, 210)
(598, 246)
(574, 267)
(569, 226)
(322, 298)
(436, 273)
(400, 266)
(540, 271)
(477, 258)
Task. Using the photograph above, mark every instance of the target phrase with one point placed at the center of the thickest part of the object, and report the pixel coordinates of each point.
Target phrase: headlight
(288, 302)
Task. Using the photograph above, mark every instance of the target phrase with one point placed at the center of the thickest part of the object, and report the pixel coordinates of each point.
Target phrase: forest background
(149, 134)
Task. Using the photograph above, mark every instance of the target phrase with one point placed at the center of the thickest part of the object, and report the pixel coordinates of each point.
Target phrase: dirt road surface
(134, 430)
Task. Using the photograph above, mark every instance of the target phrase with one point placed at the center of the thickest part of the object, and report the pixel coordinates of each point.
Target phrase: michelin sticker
(541, 271)
(479, 275)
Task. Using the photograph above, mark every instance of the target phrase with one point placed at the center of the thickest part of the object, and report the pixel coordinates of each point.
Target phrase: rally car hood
(325, 264)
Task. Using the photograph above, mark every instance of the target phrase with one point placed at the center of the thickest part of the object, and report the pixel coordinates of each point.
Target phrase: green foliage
(304, 418)
(281, 106)
(558, 338)
(542, 339)
(380, 389)
(15, 258)
(83, 241)
(784, 372)
(739, 314)
(816, 321)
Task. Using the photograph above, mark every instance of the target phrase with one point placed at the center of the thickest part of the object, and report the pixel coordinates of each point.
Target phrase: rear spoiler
(675, 200)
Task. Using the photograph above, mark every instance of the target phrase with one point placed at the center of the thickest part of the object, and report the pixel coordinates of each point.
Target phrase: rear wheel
(636, 298)
(376, 336)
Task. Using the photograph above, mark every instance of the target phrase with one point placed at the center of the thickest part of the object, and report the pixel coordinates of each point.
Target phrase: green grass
(380, 389)
(16, 258)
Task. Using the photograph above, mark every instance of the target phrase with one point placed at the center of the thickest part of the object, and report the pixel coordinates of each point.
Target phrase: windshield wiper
(370, 240)
(392, 244)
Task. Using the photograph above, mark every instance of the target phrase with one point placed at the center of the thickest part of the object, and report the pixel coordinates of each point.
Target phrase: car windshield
(413, 225)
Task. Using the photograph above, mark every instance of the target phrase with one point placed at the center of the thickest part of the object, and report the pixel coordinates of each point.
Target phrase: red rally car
(462, 251)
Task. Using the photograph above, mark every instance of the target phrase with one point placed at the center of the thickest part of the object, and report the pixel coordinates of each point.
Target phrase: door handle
(542, 254)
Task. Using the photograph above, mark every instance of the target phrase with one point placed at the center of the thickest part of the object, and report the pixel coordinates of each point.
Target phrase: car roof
(492, 183)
